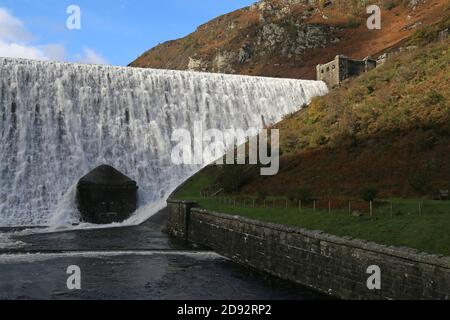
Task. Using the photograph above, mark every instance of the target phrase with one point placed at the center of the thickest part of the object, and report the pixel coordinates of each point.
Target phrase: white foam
(37, 257)
(8, 243)
(59, 121)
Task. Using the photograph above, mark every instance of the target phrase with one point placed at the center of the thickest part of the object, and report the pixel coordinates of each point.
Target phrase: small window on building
(333, 67)
(328, 69)
(322, 71)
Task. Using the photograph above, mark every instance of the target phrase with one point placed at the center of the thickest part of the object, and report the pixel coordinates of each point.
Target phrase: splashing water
(59, 121)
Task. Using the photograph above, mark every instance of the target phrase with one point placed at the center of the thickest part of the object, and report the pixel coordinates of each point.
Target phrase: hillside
(387, 131)
(288, 38)
(384, 135)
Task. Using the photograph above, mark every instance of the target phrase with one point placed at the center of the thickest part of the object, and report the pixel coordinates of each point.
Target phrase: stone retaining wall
(330, 264)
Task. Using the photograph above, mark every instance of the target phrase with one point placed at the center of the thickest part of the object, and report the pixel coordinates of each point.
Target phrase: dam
(59, 121)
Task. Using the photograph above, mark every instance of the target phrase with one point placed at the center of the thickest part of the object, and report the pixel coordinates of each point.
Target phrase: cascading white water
(59, 121)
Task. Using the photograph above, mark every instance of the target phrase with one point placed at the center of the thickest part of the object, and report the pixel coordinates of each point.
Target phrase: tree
(420, 183)
(233, 177)
(261, 194)
(302, 194)
(369, 194)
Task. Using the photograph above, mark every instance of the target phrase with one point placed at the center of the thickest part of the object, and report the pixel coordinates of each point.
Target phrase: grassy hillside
(395, 222)
(387, 131)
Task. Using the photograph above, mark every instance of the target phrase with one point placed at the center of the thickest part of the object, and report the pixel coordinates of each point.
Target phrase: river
(139, 262)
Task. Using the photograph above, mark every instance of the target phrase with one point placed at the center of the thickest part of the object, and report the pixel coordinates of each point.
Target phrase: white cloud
(15, 50)
(11, 28)
(13, 37)
(15, 43)
(91, 57)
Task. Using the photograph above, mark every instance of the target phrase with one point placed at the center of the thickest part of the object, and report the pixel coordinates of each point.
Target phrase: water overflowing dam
(59, 121)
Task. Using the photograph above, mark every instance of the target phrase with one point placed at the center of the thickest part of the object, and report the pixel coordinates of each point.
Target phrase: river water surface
(139, 262)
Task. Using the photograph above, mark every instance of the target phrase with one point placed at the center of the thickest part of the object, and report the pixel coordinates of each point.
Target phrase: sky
(110, 32)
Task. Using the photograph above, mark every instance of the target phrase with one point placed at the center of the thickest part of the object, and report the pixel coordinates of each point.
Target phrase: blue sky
(114, 32)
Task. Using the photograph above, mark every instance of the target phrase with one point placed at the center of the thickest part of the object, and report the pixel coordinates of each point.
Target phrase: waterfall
(58, 121)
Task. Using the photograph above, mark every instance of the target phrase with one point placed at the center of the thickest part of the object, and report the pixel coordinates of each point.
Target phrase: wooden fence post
(371, 208)
(350, 207)
(314, 206)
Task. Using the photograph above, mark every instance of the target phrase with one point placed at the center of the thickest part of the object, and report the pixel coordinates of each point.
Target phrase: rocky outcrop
(288, 38)
(197, 65)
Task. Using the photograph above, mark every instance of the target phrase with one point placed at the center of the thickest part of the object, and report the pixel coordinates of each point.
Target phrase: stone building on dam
(341, 68)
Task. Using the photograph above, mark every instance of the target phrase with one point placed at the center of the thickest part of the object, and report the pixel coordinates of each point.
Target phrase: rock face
(105, 195)
(288, 38)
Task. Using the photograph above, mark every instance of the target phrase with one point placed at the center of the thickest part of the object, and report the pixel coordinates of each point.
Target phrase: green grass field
(426, 229)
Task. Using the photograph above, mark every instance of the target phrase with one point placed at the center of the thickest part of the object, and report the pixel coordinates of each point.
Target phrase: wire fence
(339, 205)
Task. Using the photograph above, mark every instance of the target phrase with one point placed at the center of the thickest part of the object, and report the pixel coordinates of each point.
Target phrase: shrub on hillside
(302, 194)
(433, 98)
(430, 33)
(232, 178)
(261, 194)
(420, 183)
(369, 194)
(390, 4)
(352, 22)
